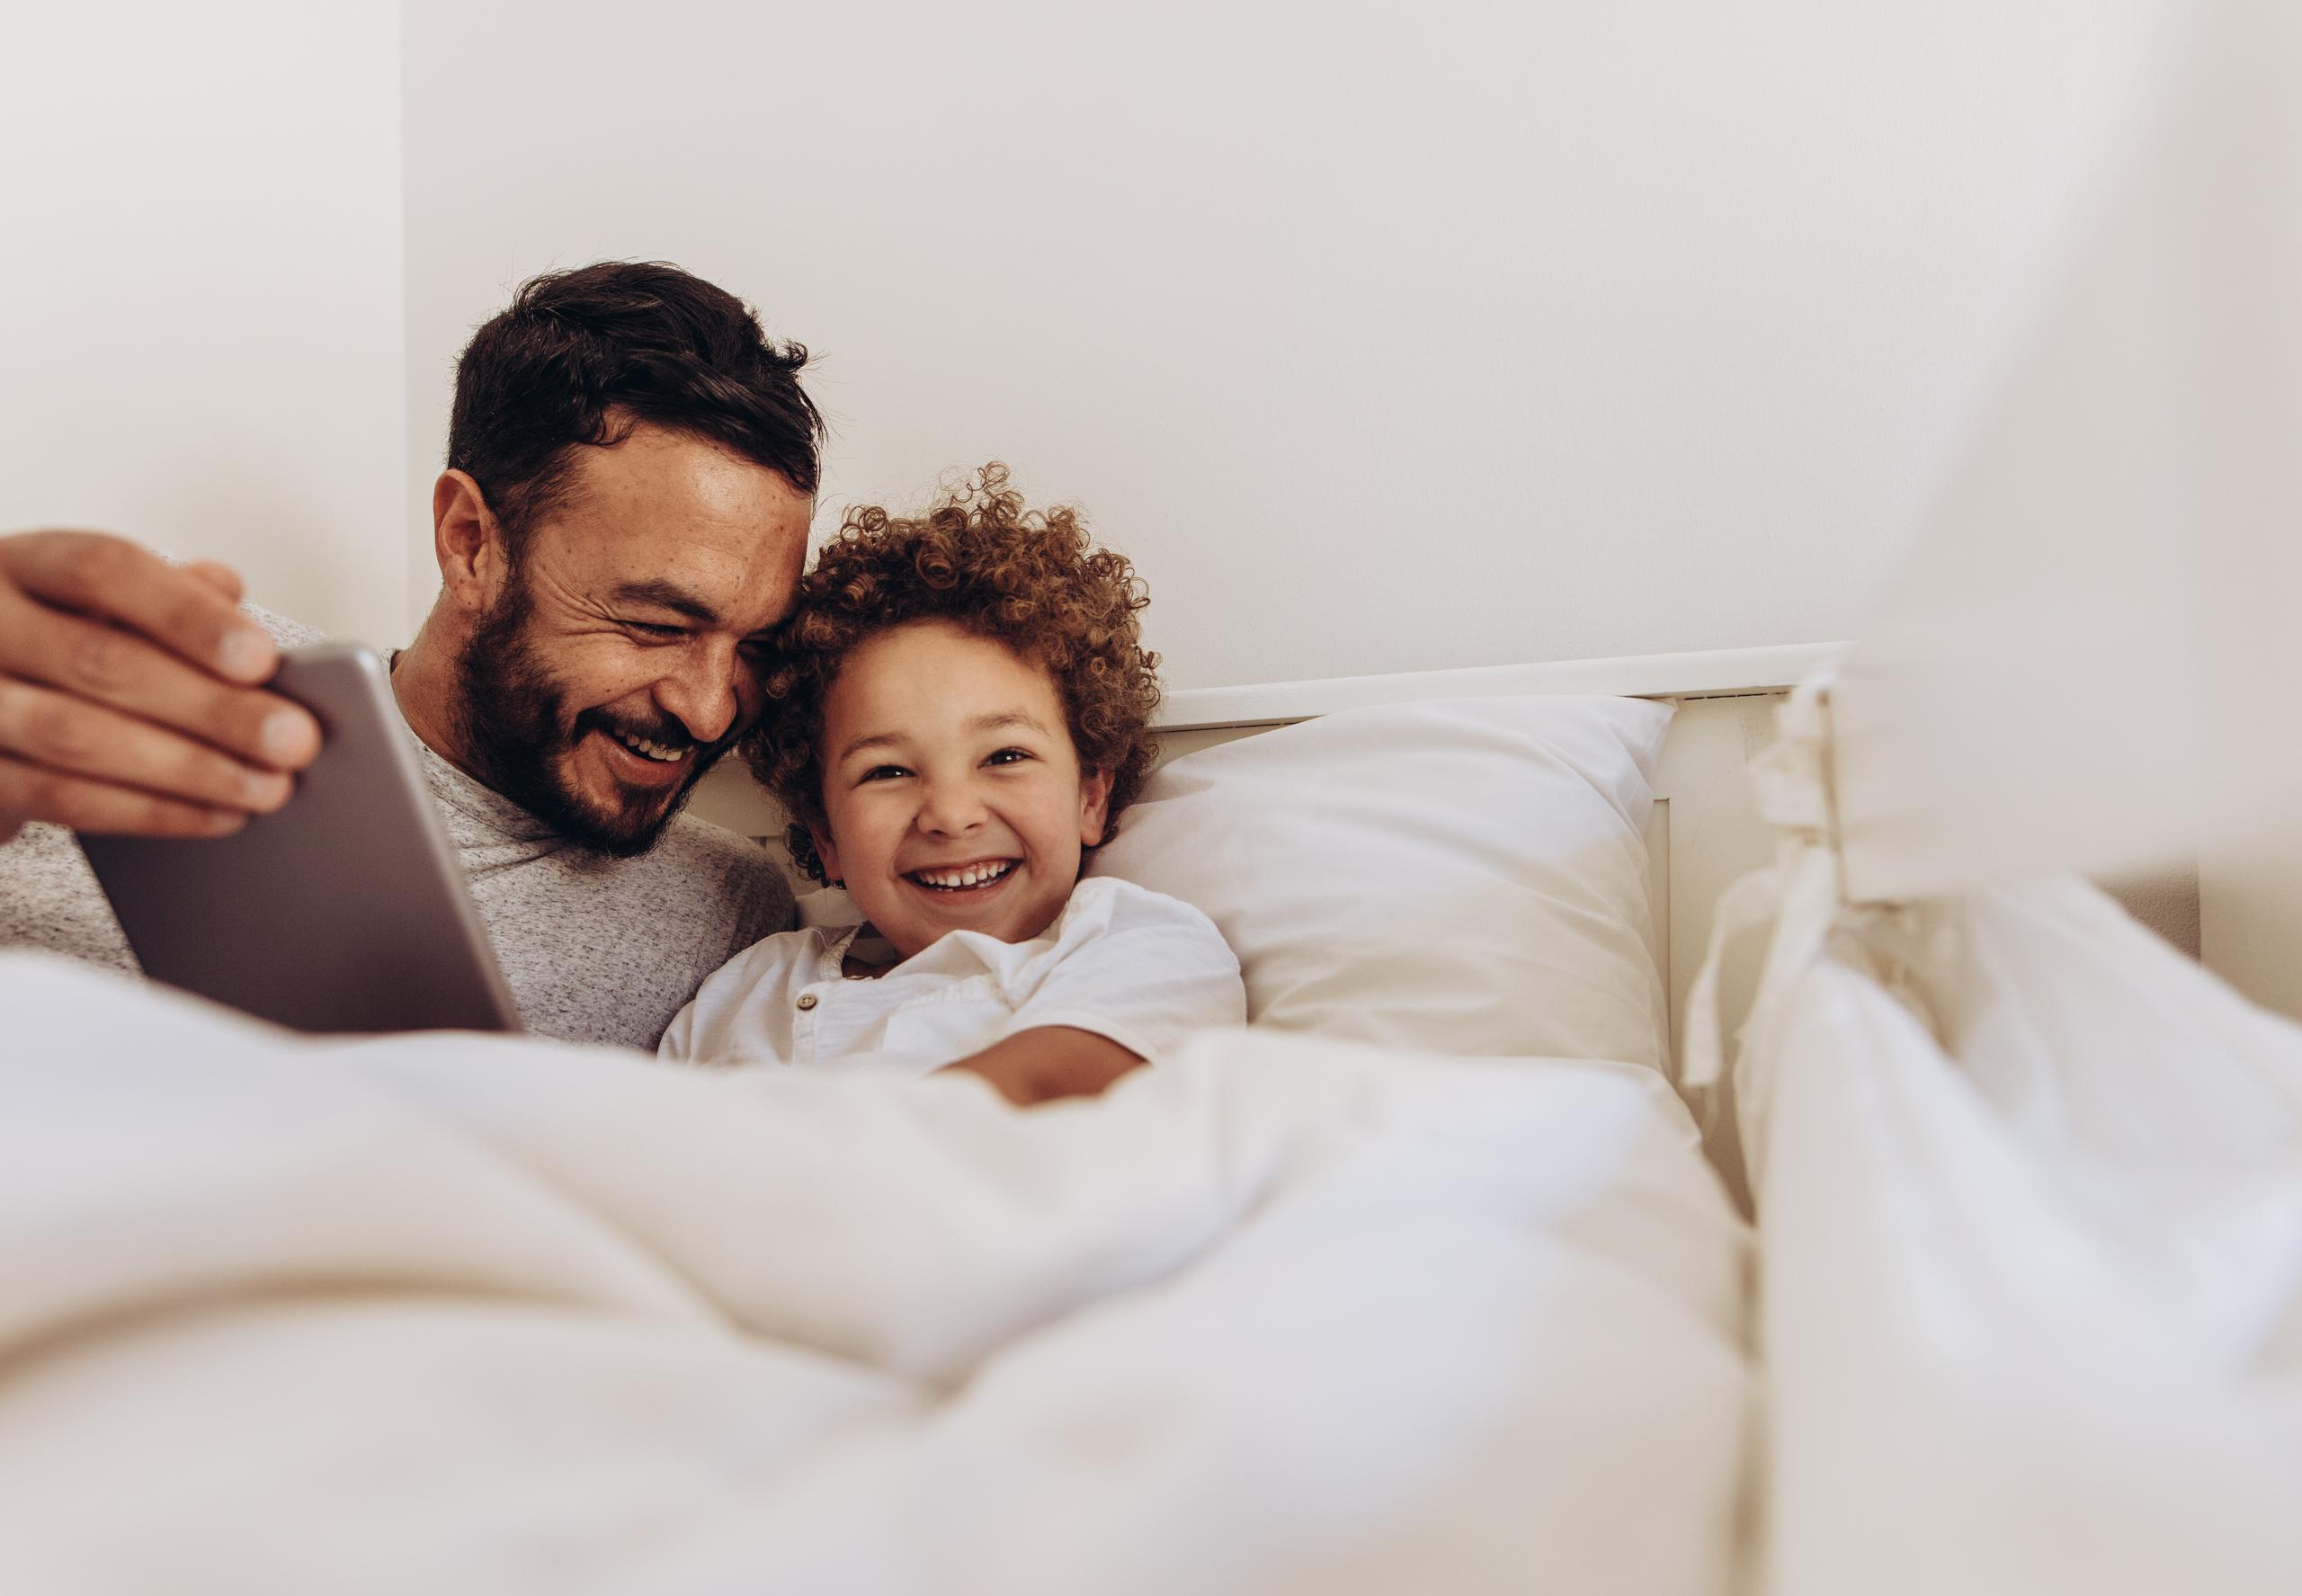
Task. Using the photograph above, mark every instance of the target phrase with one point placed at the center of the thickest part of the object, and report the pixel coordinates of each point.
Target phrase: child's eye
(1008, 756)
(885, 773)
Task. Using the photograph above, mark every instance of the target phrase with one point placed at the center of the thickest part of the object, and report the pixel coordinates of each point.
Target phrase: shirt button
(807, 1001)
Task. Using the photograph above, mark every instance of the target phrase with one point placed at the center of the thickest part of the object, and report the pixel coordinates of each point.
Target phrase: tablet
(345, 909)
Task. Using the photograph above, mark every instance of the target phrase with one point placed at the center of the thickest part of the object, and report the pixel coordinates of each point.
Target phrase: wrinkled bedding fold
(463, 1313)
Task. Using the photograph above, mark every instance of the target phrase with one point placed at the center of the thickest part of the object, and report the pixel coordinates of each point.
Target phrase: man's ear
(830, 856)
(1094, 804)
(475, 560)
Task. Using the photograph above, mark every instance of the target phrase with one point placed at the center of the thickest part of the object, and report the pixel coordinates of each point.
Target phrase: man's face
(614, 670)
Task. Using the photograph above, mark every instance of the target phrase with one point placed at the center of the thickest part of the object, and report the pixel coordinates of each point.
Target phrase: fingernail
(244, 653)
(264, 789)
(287, 733)
(223, 823)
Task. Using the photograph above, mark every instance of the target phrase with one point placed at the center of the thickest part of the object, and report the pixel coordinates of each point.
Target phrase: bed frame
(1705, 830)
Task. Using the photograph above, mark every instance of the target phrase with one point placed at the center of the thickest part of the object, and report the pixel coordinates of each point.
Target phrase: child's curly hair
(978, 559)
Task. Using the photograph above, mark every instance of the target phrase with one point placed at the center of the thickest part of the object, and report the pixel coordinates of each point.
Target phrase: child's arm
(1132, 973)
(1051, 1061)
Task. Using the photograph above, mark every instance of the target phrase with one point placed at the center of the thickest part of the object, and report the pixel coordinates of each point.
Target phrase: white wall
(1384, 337)
(2250, 901)
(200, 333)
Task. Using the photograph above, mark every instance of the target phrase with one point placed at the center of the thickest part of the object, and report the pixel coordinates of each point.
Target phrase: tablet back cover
(344, 911)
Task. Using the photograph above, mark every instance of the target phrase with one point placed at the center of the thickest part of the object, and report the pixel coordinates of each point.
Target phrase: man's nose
(702, 691)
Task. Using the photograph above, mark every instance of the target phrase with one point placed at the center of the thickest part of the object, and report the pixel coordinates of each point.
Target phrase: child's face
(947, 757)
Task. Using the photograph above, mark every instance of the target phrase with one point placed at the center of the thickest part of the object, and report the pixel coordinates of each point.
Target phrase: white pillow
(1464, 876)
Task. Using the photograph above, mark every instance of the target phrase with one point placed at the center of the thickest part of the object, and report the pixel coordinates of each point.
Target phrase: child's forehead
(925, 662)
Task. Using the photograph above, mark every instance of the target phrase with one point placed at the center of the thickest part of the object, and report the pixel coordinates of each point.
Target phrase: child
(960, 711)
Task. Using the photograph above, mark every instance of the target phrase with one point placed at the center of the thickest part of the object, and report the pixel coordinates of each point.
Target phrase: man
(632, 471)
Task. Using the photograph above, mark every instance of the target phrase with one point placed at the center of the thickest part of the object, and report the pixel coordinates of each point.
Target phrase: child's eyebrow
(876, 740)
(981, 723)
(1001, 722)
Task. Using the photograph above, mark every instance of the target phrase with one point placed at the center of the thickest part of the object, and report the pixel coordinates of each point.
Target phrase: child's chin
(929, 923)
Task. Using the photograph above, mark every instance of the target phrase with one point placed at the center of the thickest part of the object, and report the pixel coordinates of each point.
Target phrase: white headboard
(1705, 831)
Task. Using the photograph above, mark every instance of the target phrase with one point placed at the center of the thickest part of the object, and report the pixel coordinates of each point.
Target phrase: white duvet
(461, 1315)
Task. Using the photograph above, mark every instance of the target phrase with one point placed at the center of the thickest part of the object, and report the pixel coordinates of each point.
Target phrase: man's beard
(516, 737)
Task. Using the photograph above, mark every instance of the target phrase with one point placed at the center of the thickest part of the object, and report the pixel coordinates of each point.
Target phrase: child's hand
(1049, 1062)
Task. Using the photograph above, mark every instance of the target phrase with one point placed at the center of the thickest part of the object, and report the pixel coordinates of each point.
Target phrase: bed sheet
(482, 1314)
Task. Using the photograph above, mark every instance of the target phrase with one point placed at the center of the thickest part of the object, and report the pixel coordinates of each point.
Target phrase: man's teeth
(972, 876)
(654, 751)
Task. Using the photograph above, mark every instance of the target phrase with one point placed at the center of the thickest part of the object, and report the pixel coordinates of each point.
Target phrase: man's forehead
(746, 585)
(708, 560)
(656, 476)
(686, 515)
(648, 460)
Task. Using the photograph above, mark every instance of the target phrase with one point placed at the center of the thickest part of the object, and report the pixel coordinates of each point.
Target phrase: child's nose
(950, 807)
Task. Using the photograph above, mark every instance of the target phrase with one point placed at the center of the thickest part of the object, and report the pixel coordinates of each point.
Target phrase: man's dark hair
(580, 357)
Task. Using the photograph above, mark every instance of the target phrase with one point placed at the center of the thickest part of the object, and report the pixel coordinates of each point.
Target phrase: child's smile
(980, 877)
(953, 792)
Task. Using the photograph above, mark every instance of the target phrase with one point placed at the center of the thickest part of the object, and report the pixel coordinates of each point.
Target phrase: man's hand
(1049, 1062)
(128, 693)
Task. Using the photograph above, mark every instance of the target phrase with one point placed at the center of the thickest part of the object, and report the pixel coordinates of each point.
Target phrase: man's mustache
(665, 731)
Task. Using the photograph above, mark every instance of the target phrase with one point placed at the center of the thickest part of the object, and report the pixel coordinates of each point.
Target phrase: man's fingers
(28, 792)
(112, 579)
(87, 659)
(127, 689)
(49, 731)
(221, 577)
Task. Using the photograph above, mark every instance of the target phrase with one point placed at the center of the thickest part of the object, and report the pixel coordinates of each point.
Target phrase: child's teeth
(973, 875)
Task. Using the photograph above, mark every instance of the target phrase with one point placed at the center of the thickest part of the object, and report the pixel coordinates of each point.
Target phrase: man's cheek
(751, 702)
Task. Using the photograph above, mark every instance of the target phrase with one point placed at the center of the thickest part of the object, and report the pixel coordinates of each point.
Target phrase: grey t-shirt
(596, 948)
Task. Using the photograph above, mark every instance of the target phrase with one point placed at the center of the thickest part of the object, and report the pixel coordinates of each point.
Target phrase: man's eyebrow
(667, 595)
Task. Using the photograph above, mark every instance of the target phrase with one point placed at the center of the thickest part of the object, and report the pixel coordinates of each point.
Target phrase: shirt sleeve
(726, 1019)
(1135, 966)
(286, 633)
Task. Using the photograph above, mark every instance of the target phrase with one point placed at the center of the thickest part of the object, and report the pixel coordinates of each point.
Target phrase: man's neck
(425, 681)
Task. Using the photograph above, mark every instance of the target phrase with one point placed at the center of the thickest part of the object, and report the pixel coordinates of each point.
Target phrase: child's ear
(829, 855)
(1094, 804)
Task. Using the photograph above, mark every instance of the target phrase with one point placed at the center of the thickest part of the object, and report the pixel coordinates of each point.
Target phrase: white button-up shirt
(1120, 961)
